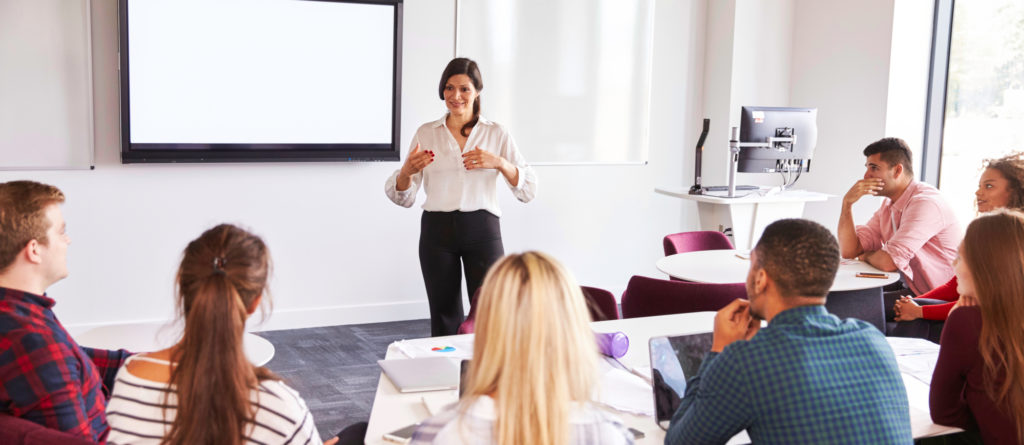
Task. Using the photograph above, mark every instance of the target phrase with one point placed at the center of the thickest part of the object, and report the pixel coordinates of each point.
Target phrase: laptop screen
(674, 359)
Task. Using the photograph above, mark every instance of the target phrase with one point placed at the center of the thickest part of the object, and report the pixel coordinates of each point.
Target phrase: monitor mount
(783, 142)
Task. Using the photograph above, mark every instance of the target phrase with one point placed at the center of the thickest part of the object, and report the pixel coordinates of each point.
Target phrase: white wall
(343, 253)
(841, 66)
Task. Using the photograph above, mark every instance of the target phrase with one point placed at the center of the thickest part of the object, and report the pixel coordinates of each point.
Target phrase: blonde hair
(993, 249)
(534, 350)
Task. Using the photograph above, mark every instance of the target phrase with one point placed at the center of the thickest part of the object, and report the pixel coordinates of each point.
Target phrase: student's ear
(760, 281)
(255, 305)
(898, 170)
(32, 252)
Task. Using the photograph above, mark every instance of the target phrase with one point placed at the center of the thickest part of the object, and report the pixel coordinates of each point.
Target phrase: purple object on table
(612, 344)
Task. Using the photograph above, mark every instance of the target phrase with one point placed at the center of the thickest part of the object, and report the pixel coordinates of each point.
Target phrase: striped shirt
(589, 425)
(136, 412)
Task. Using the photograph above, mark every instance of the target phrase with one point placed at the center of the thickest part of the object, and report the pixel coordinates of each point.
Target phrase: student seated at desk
(978, 382)
(914, 231)
(808, 377)
(203, 390)
(1001, 186)
(534, 365)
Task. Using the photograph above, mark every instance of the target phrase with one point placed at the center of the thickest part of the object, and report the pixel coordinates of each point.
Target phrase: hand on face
(733, 323)
(866, 186)
(417, 161)
(478, 158)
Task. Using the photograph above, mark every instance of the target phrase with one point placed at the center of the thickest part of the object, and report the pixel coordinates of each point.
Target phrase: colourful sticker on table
(444, 349)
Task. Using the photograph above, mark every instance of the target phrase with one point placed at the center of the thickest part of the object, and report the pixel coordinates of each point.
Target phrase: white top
(447, 183)
(135, 412)
(588, 425)
(731, 266)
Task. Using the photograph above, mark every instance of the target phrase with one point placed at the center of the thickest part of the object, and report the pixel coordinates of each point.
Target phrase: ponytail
(468, 126)
(212, 377)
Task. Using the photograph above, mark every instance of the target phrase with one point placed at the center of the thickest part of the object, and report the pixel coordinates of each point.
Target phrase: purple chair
(17, 431)
(645, 297)
(695, 241)
(600, 302)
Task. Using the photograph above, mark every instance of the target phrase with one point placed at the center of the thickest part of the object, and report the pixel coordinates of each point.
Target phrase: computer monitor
(788, 136)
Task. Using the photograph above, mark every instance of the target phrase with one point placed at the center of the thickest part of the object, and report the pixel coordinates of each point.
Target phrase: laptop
(674, 359)
(422, 374)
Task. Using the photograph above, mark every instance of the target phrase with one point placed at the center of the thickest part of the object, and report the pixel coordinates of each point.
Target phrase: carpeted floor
(335, 368)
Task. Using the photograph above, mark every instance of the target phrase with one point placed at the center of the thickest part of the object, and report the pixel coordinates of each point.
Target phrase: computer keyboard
(725, 188)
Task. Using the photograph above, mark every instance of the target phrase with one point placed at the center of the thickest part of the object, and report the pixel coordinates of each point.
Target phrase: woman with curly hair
(1001, 186)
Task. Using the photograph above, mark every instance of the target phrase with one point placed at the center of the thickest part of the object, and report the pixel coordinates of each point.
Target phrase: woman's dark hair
(462, 65)
(222, 276)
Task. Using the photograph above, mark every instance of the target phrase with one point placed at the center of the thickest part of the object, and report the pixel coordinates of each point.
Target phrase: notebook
(674, 359)
(422, 374)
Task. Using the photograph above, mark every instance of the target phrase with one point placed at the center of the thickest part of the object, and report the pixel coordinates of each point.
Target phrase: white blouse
(447, 183)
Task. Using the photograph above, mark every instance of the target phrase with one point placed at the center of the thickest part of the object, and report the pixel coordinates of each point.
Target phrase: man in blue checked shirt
(808, 377)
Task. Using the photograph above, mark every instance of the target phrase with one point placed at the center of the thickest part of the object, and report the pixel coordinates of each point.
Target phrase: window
(983, 115)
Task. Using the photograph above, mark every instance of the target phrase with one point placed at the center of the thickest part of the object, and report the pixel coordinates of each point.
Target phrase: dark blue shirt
(808, 377)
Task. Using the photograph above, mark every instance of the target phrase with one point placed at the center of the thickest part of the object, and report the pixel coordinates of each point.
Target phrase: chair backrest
(18, 431)
(695, 241)
(645, 296)
(601, 303)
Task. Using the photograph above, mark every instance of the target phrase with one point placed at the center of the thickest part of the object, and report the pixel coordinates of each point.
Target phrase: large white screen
(260, 72)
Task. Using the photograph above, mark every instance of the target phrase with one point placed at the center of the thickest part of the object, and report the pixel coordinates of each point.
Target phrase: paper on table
(460, 347)
(915, 356)
(624, 391)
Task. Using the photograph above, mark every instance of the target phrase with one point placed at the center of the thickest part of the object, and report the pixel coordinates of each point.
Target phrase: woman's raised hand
(478, 158)
(417, 161)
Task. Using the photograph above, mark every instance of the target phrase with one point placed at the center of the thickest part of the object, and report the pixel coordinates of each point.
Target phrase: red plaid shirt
(45, 376)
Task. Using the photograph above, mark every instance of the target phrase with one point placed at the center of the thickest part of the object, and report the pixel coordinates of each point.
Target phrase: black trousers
(451, 242)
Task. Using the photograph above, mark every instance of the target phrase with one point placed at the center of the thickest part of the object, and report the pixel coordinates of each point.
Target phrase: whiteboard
(46, 116)
(570, 79)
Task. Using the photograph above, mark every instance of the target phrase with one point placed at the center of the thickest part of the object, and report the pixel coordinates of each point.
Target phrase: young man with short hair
(45, 377)
(914, 231)
(808, 377)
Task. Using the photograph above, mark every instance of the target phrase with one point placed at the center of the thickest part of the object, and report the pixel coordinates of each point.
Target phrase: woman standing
(534, 367)
(978, 382)
(458, 161)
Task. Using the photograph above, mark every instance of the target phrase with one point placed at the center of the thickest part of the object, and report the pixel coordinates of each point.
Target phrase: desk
(849, 296)
(748, 214)
(146, 337)
(393, 410)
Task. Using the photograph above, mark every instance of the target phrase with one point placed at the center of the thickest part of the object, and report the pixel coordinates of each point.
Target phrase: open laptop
(422, 374)
(674, 359)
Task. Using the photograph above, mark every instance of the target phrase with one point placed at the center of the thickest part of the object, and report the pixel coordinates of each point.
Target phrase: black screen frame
(244, 152)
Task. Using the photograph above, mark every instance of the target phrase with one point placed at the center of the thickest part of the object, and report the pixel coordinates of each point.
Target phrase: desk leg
(864, 304)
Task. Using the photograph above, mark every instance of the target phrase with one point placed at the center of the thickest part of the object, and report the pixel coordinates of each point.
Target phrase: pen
(871, 275)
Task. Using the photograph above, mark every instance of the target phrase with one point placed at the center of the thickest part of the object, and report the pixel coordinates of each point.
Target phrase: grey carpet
(335, 368)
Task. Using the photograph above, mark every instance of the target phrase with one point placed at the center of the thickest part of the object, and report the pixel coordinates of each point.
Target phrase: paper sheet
(459, 347)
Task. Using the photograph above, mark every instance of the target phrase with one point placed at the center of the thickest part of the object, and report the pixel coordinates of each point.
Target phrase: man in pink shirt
(914, 232)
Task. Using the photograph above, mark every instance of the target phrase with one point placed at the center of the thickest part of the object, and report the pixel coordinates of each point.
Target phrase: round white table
(850, 296)
(146, 337)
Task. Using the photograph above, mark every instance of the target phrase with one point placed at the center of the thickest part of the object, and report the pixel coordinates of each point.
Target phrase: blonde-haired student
(534, 366)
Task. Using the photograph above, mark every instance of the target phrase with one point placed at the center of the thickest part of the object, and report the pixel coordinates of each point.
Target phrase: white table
(146, 337)
(747, 214)
(393, 410)
(850, 296)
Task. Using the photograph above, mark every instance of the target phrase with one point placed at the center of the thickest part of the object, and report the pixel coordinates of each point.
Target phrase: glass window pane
(984, 95)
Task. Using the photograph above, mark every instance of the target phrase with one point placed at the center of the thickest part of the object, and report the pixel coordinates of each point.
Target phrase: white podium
(747, 214)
